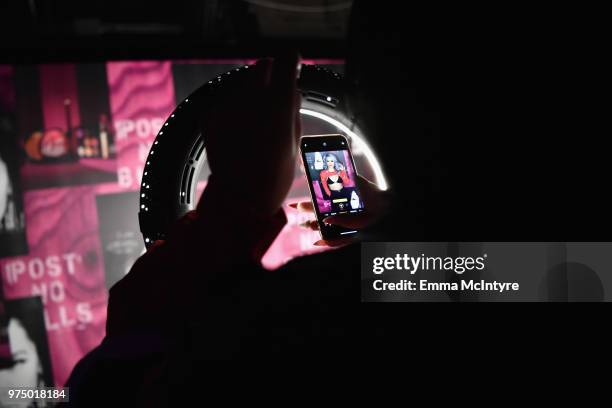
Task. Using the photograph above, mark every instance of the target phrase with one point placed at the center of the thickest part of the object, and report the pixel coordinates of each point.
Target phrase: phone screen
(332, 180)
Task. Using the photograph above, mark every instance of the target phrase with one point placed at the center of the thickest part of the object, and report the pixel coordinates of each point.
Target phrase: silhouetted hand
(255, 128)
(251, 138)
(375, 200)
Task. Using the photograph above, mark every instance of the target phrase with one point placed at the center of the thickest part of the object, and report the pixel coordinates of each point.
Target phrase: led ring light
(167, 189)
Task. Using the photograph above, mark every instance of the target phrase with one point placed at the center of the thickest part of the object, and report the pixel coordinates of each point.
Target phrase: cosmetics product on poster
(64, 267)
(64, 122)
(24, 358)
(120, 235)
(12, 219)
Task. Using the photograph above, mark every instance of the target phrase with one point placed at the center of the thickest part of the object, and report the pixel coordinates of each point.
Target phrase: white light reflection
(380, 180)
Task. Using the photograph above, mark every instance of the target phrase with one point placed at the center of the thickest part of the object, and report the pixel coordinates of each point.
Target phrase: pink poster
(141, 98)
(64, 267)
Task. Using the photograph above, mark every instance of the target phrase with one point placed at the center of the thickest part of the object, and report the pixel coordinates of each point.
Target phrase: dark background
(564, 99)
(48, 31)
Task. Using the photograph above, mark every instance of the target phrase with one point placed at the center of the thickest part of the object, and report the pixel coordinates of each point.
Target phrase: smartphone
(332, 181)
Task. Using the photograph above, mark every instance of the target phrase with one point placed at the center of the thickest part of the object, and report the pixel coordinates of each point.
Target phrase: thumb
(350, 221)
(284, 79)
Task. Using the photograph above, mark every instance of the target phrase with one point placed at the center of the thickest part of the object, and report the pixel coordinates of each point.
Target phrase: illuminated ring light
(168, 185)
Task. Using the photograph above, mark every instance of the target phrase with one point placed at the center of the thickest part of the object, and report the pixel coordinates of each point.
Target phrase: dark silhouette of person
(437, 91)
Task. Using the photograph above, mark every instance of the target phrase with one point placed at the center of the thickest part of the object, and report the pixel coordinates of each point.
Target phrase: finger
(350, 221)
(262, 72)
(283, 79)
(298, 116)
(303, 206)
(333, 243)
(311, 224)
(254, 81)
